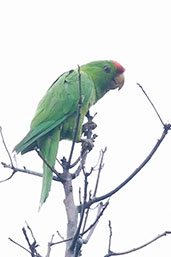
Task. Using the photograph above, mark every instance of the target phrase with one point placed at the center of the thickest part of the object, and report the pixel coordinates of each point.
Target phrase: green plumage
(55, 117)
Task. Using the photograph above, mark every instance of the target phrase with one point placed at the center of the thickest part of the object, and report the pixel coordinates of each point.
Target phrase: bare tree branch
(110, 237)
(99, 171)
(96, 185)
(32, 246)
(10, 158)
(92, 227)
(6, 148)
(82, 160)
(59, 234)
(104, 206)
(75, 163)
(151, 104)
(140, 247)
(167, 127)
(19, 245)
(49, 166)
(80, 101)
(49, 247)
(97, 218)
(24, 170)
(14, 171)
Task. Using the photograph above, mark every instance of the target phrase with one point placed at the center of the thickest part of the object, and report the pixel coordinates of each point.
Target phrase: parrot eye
(106, 69)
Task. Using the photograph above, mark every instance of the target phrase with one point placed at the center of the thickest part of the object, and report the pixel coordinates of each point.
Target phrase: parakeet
(55, 117)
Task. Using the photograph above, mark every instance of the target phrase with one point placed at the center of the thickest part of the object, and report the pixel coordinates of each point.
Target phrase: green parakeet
(55, 117)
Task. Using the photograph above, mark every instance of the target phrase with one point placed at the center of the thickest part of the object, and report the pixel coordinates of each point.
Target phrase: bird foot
(88, 126)
(87, 144)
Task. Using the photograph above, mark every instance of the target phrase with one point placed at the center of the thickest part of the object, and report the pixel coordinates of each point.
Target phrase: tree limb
(151, 104)
(6, 148)
(140, 247)
(32, 246)
(99, 170)
(110, 236)
(49, 166)
(24, 170)
(167, 127)
(91, 228)
(80, 101)
(49, 247)
(99, 214)
(19, 245)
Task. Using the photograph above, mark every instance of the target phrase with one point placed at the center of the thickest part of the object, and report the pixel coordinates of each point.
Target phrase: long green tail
(48, 147)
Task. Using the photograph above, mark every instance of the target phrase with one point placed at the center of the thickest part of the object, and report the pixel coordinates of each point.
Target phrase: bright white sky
(39, 41)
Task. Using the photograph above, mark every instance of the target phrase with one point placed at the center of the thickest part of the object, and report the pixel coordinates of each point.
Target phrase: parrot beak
(119, 79)
(118, 82)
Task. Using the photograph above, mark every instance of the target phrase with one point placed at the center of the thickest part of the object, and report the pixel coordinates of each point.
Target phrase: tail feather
(48, 147)
(29, 141)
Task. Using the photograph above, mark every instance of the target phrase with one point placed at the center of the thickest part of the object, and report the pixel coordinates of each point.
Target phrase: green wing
(59, 103)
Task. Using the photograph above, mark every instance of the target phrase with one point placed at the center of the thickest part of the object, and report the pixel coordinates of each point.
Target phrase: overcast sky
(39, 41)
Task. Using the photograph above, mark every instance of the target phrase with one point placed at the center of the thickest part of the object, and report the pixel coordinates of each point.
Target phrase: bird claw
(87, 144)
(88, 126)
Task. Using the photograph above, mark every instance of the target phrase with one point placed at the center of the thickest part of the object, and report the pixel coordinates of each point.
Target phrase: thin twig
(82, 164)
(75, 163)
(96, 186)
(99, 171)
(79, 193)
(85, 219)
(62, 241)
(100, 198)
(91, 230)
(86, 215)
(19, 245)
(49, 247)
(30, 172)
(97, 218)
(77, 117)
(140, 247)
(59, 234)
(31, 232)
(82, 160)
(151, 104)
(49, 166)
(6, 148)
(110, 236)
(6, 179)
(32, 246)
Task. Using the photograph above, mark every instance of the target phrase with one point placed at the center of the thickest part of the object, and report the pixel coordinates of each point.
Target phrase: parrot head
(106, 75)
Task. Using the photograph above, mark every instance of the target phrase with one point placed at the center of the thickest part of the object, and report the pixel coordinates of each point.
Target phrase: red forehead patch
(119, 67)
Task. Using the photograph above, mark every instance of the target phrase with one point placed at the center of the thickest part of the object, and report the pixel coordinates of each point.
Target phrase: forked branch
(167, 127)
